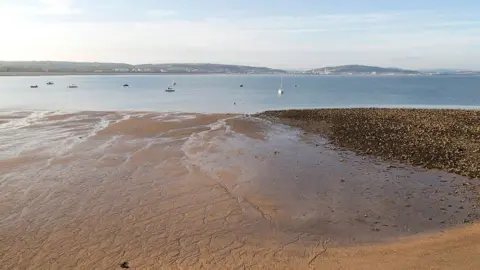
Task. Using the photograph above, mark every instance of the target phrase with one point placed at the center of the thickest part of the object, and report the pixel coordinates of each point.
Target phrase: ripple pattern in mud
(91, 190)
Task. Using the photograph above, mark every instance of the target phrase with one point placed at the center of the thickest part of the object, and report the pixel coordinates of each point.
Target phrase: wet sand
(91, 190)
(442, 139)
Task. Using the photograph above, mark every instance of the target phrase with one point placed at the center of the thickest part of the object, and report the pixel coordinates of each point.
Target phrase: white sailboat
(280, 90)
(170, 88)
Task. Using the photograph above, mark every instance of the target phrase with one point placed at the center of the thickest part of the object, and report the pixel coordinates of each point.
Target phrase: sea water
(222, 93)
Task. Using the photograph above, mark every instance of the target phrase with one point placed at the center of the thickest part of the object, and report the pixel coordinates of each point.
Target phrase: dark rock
(441, 139)
(124, 265)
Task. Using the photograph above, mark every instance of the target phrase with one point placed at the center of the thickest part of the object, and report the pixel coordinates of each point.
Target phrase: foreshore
(149, 190)
(442, 139)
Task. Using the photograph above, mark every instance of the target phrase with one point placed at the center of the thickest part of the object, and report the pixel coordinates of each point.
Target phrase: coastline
(44, 74)
(442, 134)
(445, 139)
(172, 190)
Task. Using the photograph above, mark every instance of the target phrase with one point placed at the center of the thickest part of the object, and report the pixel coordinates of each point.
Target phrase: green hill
(359, 69)
(93, 67)
(207, 68)
(58, 66)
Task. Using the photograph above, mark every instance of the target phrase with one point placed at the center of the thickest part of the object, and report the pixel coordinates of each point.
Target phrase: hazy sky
(275, 33)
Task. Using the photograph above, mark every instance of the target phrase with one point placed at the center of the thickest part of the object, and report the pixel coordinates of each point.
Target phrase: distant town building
(142, 70)
(121, 69)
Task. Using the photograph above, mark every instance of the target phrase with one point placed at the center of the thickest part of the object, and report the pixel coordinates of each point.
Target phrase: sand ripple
(90, 190)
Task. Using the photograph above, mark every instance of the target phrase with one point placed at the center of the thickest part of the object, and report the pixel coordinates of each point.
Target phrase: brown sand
(458, 249)
(163, 191)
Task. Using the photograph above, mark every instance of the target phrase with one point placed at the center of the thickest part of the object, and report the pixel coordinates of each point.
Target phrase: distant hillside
(446, 71)
(92, 67)
(359, 69)
(58, 66)
(207, 68)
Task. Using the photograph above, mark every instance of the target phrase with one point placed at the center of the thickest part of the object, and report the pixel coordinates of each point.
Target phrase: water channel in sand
(89, 190)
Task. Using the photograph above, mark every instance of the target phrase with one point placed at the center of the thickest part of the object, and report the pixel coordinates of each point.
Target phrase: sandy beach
(282, 190)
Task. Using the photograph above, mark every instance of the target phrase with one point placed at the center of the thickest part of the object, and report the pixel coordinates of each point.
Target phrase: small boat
(174, 83)
(73, 86)
(296, 85)
(170, 89)
(50, 83)
(33, 86)
(126, 85)
(280, 90)
(241, 85)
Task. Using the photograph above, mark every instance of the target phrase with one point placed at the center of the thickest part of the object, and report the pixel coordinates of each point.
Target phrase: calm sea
(222, 93)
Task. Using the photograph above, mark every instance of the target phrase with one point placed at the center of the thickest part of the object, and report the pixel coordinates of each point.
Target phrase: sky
(274, 33)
